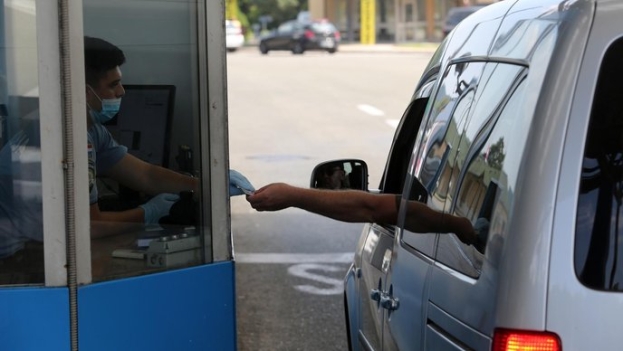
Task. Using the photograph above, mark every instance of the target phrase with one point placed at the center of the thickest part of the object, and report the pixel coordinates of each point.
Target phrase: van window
(448, 112)
(598, 236)
(449, 108)
(400, 153)
(487, 151)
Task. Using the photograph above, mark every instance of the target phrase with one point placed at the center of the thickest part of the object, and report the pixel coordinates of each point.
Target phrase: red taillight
(520, 340)
(337, 35)
(309, 34)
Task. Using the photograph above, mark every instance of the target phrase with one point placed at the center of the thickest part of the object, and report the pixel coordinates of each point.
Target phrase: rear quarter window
(599, 236)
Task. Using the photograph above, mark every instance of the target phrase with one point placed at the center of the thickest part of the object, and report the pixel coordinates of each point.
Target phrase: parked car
(234, 39)
(456, 15)
(298, 37)
(516, 125)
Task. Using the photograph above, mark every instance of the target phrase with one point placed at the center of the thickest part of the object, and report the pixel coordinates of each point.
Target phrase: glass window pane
(434, 168)
(21, 228)
(490, 150)
(142, 61)
(599, 234)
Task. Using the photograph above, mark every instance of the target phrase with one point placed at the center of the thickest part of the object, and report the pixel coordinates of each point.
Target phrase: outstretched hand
(272, 197)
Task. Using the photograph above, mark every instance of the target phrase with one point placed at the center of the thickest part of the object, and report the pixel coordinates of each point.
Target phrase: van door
(379, 242)
(462, 289)
(586, 272)
(407, 281)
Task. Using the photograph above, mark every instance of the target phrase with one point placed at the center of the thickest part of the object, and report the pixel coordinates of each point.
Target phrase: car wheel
(263, 49)
(297, 48)
(332, 50)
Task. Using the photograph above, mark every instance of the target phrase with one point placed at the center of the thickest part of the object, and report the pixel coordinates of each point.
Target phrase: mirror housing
(340, 174)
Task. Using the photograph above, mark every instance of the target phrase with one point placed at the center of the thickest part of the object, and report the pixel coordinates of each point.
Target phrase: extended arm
(347, 205)
(141, 176)
(150, 179)
(360, 206)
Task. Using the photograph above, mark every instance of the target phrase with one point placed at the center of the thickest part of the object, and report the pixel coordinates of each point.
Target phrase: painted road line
(287, 258)
(371, 110)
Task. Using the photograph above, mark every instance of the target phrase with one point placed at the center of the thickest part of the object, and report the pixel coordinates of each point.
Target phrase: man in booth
(104, 92)
(21, 225)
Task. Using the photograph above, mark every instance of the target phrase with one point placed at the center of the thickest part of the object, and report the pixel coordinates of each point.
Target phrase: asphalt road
(288, 113)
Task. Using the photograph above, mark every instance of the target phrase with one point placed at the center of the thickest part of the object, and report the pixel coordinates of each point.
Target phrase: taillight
(337, 35)
(520, 340)
(309, 34)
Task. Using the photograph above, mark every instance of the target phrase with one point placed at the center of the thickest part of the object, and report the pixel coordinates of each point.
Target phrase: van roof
(494, 29)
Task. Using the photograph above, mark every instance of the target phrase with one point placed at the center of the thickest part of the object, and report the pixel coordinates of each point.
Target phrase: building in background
(395, 21)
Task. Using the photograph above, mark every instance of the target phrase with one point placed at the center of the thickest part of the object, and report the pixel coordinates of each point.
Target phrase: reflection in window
(156, 126)
(21, 229)
(448, 115)
(599, 229)
(449, 109)
(490, 151)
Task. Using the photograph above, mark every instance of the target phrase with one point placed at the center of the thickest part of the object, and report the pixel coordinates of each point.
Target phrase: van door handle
(375, 294)
(389, 303)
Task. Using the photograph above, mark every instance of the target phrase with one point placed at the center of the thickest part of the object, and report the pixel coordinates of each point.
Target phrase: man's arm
(360, 206)
(347, 205)
(114, 223)
(422, 219)
(150, 179)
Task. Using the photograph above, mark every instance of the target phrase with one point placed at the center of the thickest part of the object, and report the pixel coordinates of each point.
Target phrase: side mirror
(340, 174)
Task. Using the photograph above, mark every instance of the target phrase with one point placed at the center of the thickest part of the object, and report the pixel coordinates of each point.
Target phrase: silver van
(516, 124)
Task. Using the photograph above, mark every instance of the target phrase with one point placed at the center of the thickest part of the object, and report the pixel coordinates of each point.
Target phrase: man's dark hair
(100, 56)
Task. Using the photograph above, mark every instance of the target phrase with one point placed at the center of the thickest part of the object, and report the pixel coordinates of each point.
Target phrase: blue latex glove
(158, 207)
(239, 184)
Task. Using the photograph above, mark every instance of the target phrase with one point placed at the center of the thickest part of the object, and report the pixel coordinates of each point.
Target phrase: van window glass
(599, 225)
(21, 216)
(481, 166)
(448, 111)
(457, 86)
(157, 125)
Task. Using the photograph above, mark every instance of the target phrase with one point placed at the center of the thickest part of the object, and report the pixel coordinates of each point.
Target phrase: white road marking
(344, 257)
(371, 110)
(306, 266)
(392, 122)
(336, 286)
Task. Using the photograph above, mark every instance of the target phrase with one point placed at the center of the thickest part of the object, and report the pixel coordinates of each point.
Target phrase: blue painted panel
(187, 309)
(34, 318)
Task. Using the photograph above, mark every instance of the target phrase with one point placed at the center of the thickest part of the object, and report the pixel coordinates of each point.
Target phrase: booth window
(21, 216)
(157, 123)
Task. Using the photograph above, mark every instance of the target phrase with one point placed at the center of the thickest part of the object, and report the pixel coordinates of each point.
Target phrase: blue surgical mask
(110, 107)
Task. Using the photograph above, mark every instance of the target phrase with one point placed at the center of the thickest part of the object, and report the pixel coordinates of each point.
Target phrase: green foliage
(496, 155)
(279, 10)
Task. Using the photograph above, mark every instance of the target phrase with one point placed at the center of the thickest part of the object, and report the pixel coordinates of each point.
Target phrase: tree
(279, 10)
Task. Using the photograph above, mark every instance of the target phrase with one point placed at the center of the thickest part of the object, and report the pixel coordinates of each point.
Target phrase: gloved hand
(158, 207)
(239, 184)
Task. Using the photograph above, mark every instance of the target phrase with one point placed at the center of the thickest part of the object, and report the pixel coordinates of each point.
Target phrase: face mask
(110, 107)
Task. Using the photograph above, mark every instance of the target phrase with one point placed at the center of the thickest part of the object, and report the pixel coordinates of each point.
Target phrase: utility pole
(430, 19)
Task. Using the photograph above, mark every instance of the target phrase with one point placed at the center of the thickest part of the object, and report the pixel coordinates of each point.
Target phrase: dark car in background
(298, 37)
(456, 15)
